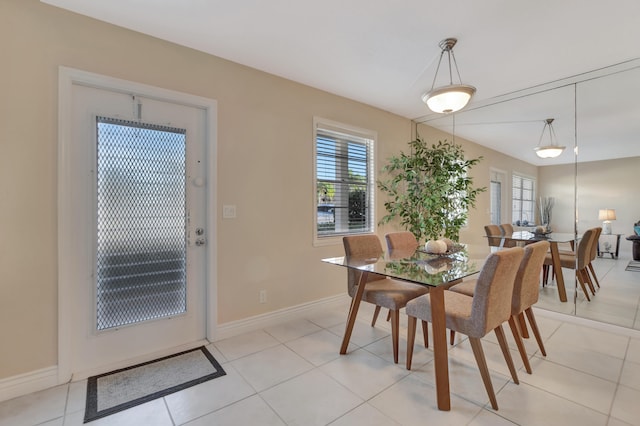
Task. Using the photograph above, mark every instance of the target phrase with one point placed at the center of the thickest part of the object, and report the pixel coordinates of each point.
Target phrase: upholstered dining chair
(592, 255)
(494, 235)
(406, 243)
(379, 290)
(578, 261)
(476, 316)
(403, 241)
(594, 252)
(506, 228)
(526, 289)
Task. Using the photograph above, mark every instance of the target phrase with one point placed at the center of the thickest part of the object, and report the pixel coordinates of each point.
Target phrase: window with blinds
(523, 200)
(344, 180)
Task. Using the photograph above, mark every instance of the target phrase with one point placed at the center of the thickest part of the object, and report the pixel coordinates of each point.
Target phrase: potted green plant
(429, 190)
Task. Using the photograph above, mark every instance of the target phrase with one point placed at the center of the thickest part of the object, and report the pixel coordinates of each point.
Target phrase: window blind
(344, 182)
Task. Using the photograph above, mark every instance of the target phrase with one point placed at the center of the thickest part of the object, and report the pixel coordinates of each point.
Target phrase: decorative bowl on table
(542, 231)
(444, 247)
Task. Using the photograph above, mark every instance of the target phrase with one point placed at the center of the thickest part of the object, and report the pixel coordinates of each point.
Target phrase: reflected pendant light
(451, 98)
(552, 150)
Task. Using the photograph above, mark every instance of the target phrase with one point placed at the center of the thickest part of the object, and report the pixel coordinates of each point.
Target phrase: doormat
(633, 265)
(118, 390)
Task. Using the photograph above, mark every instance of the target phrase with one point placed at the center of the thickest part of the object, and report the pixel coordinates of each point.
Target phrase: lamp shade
(452, 97)
(607, 214)
(548, 151)
(448, 99)
(552, 150)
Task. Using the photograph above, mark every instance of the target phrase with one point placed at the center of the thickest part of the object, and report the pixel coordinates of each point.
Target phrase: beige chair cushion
(401, 241)
(526, 288)
(380, 290)
(466, 287)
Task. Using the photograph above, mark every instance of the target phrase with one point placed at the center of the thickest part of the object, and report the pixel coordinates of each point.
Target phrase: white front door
(138, 205)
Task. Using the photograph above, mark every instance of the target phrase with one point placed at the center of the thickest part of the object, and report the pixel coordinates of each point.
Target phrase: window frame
(531, 221)
(358, 135)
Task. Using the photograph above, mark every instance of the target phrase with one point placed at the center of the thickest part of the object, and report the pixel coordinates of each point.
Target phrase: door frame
(67, 78)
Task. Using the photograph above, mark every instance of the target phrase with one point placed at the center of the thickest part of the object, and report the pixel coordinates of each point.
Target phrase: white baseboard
(33, 381)
(258, 322)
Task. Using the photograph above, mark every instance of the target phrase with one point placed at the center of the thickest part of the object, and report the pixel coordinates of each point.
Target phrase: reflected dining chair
(594, 252)
(494, 235)
(476, 316)
(379, 290)
(526, 289)
(578, 261)
(506, 228)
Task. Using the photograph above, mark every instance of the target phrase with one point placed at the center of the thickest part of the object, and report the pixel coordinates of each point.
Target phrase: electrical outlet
(263, 296)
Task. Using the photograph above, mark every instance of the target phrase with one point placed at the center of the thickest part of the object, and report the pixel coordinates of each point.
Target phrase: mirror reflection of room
(590, 185)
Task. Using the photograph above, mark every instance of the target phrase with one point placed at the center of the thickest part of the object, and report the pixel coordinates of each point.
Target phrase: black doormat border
(91, 410)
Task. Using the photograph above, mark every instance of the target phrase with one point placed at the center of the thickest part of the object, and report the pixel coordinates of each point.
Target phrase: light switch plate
(228, 212)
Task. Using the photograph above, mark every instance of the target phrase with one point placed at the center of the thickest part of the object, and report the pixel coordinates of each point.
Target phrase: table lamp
(606, 215)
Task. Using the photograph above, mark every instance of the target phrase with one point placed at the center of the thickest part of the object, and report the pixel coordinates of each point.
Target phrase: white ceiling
(384, 53)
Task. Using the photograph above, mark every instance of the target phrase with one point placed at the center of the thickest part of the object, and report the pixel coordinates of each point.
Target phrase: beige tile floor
(292, 374)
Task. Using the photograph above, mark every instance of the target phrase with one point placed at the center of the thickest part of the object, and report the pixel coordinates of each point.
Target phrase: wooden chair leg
(502, 340)
(534, 328)
(389, 315)
(478, 353)
(425, 333)
(522, 326)
(395, 325)
(582, 282)
(452, 336)
(587, 278)
(593, 274)
(375, 316)
(519, 343)
(411, 338)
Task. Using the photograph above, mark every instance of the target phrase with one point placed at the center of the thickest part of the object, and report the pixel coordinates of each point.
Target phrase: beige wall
(601, 184)
(264, 168)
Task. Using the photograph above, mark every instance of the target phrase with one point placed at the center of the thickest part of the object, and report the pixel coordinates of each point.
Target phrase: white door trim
(67, 77)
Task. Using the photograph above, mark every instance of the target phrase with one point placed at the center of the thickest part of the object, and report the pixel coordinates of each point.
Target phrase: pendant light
(552, 150)
(451, 98)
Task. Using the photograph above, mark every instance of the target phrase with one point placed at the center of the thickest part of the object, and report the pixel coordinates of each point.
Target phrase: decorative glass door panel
(141, 222)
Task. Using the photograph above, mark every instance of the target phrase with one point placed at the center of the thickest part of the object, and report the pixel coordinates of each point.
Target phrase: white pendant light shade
(552, 150)
(448, 99)
(548, 151)
(452, 97)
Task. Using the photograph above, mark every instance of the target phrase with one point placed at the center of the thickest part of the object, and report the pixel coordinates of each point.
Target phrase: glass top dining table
(416, 266)
(419, 267)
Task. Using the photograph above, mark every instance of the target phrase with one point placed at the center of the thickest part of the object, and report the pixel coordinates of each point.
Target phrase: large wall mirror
(597, 117)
